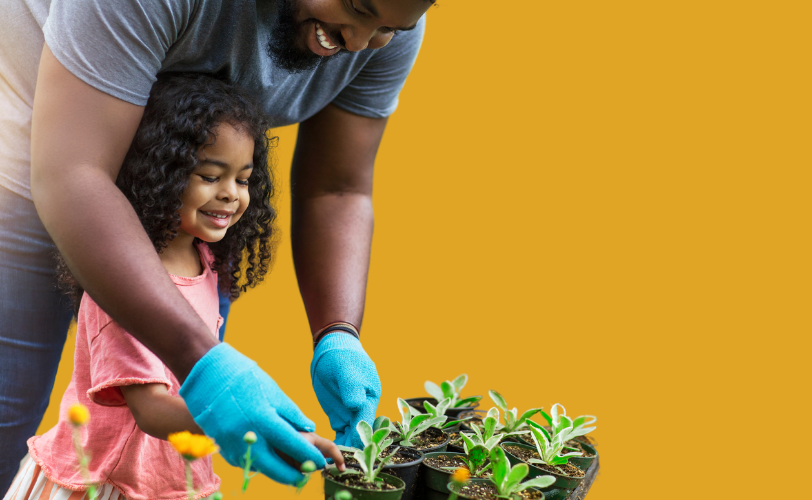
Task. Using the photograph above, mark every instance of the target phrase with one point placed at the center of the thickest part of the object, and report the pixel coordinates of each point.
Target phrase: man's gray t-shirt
(119, 48)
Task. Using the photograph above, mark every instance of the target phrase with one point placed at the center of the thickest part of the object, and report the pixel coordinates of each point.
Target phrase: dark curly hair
(179, 119)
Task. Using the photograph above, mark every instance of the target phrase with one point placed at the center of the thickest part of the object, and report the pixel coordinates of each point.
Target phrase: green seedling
(412, 423)
(366, 459)
(478, 445)
(508, 480)
(342, 495)
(549, 447)
(560, 423)
(375, 439)
(439, 411)
(377, 433)
(514, 424)
(451, 390)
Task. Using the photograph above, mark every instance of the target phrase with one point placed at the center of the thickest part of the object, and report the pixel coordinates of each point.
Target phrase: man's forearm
(79, 139)
(331, 238)
(331, 192)
(111, 256)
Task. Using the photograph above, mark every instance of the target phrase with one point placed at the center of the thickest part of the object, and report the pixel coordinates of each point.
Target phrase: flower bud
(78, 414)
(460, 475)
(343, 495)
(250, 437)
(308, 466)
(217, 496)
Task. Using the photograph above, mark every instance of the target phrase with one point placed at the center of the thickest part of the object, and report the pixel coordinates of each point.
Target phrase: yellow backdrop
(602, 204)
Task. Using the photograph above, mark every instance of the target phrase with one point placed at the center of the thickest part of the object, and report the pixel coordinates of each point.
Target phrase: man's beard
(284, 48)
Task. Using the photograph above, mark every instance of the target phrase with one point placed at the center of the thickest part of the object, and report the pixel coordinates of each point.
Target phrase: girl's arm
(157, 412)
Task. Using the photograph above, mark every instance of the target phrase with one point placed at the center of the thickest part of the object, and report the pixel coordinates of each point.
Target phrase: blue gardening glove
(229, 395)
(347, 385)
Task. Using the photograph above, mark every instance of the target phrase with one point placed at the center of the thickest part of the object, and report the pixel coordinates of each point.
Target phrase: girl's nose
(229, 192)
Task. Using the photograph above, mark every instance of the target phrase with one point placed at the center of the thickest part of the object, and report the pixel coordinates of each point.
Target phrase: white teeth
(322, 38)
(216, 215)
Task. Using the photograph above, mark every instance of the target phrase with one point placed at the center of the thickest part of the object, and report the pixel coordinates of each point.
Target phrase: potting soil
(487, 492)
(524, 455)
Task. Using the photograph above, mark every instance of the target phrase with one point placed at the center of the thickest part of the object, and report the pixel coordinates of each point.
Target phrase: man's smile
(324, 40)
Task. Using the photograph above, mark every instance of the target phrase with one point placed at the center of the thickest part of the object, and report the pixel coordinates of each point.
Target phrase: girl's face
(217, 194)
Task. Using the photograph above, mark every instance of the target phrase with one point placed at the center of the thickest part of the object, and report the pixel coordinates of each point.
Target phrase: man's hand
(347, 385)
(229, 395)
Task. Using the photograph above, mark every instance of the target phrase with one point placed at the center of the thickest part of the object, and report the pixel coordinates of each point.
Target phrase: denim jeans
(34, 320)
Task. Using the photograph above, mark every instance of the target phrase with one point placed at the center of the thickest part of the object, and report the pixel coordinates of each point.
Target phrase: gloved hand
(229, 395)
(347, 385)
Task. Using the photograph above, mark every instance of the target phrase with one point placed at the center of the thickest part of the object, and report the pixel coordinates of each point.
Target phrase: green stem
(83, 459)
(247, 469)
(190, 487)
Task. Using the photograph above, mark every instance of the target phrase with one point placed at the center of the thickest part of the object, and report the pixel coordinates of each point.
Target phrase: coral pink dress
(135, 464)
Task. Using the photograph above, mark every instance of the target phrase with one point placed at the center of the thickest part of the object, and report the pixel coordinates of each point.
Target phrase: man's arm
(79, 138)
(331, 185)
(331, 188)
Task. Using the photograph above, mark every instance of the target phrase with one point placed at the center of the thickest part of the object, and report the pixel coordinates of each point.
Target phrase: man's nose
(357, 38)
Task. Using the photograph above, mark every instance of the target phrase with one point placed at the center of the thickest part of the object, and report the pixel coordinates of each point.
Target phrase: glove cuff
(211, 375)
(338, 341)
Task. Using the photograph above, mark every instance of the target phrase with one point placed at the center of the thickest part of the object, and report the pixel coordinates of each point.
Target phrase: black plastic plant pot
(434, 478)
(408, 473)
(583, 463)
(456, 487)
(451, 413)
(476, 417)
(562, 481)
(452, 447)
(331, 487)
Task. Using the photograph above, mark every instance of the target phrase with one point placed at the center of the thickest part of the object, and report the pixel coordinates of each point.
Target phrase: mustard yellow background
(602, 204)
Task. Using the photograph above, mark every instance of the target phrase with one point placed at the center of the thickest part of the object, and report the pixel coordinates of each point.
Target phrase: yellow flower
(78, 414)
(192, 446)
(460, 475)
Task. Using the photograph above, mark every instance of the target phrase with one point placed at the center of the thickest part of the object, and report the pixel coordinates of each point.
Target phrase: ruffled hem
(32, 451)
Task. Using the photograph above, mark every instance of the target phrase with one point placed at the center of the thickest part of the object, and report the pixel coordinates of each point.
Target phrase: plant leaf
(460, 382)
(554, 413)
(405, 411)
(430, 408)
(364, 432)
(380, 423)
(434, 390)
(347, 448)
(498, 400)
(380, 435)
(493, 441)
(527, 414)
(467, 401)
(558, 461)
(501, 466)
(515, 476)
(448, 390)
(548, 418)
(537, 482)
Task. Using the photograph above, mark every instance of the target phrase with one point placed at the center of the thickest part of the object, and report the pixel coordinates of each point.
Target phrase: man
(335, 66)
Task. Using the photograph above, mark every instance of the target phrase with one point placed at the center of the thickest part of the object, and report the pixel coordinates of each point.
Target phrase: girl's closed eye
(208, 179)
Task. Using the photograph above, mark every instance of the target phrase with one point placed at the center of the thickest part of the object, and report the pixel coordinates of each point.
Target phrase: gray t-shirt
(119, 48)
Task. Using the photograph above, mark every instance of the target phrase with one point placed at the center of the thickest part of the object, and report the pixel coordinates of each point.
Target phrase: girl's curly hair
(179, 119)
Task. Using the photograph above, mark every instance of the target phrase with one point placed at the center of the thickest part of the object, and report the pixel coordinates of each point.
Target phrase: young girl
(198, 178)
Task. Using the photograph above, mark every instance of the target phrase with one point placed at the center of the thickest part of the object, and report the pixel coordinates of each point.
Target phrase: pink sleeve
(117, 359)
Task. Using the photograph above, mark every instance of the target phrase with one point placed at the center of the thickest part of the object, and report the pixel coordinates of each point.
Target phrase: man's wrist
(336, 327)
